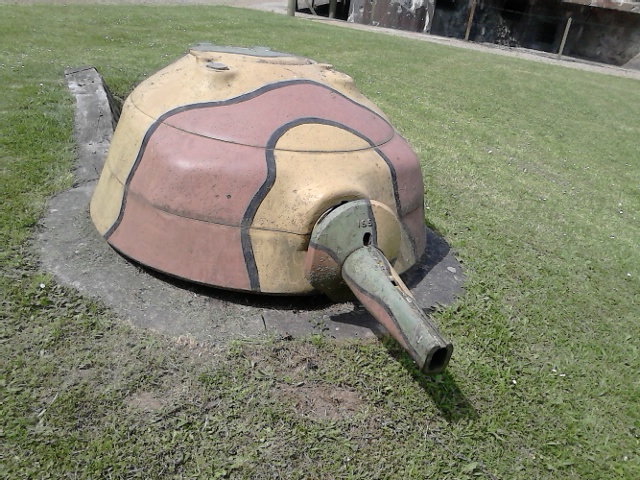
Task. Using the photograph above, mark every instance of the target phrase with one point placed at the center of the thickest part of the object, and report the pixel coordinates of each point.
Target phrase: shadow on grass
(447, 396)
(442, 388)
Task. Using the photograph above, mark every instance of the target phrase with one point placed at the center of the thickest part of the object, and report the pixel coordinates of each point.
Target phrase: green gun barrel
(379, 288)
(348, 250)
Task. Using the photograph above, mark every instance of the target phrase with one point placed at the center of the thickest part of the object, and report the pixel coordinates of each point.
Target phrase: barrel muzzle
(346, 250)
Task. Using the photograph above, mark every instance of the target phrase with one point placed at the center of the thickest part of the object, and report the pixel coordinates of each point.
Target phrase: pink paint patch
(199, 251)
(320, 268)
(198, 177)
(408, 174)
(414, 223)
(253, 120)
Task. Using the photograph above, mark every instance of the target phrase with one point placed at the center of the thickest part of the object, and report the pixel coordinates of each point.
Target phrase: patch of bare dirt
(324, 402)
(145, 401)
(297, 371)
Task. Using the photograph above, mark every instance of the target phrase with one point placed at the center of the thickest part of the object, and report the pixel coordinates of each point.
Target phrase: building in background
(600, 30)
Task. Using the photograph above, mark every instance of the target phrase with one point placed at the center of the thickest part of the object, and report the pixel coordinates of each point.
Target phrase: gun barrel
(377, 285)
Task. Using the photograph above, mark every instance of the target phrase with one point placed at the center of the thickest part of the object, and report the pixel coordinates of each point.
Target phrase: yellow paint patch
(389, 230)
(106, 202)
(125, 145)
(280, 259)
(306, 186)
(315, 137)
(191, 80)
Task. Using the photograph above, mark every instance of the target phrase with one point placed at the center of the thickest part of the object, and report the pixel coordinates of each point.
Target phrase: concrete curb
(96, 115)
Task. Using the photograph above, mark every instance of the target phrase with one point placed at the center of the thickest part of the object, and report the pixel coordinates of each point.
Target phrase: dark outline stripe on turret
(229, 101)
(264, 189)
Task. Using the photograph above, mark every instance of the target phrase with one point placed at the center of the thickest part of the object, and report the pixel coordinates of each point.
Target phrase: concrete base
(72, 250)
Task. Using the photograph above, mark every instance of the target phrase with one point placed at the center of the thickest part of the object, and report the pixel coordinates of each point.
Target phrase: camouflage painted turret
(252, 170)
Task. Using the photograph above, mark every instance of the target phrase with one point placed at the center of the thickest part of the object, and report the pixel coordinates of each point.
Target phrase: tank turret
(253, 170)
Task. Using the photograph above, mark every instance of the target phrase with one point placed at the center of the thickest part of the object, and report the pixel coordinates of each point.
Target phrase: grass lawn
(533, 177)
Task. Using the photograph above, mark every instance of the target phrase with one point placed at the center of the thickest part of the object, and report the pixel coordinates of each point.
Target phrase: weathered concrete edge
(96, 115)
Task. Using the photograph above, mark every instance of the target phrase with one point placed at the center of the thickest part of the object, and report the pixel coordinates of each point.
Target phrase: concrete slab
(95, 121)
(72, 250)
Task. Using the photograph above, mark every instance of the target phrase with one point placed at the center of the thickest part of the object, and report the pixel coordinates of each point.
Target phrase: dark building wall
(321, 8)
(599, 34)
(450, 18)
(607, 36)
(514, 23)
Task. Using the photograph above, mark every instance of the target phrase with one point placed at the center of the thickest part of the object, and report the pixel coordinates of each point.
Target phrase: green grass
(532, 175)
